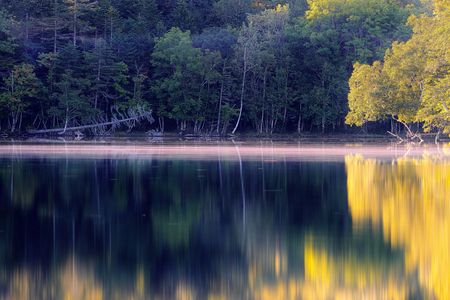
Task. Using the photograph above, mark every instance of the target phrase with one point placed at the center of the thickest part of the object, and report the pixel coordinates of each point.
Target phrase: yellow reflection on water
(327, 275)
(70, 281)
(347, 276)
(409, 199)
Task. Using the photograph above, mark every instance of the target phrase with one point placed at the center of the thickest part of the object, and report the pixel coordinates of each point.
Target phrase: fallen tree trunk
(396, 136)
(130, 119)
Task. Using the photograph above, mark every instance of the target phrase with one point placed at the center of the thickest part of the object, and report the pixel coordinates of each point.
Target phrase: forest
(225, 66)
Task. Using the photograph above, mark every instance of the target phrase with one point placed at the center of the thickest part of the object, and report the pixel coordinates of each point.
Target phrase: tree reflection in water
(409, 200)
(176, 229)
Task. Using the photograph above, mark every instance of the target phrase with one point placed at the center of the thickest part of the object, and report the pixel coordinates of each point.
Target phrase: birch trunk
(242, 91)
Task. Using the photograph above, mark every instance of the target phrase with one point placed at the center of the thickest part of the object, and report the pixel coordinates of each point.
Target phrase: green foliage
(215, 65)
(21, 87)
(365, 100)
(434, 34)
(108, 77)
(263, 60)
(181, 74)
(335, 35)
(434, 111)
(7, 44)
(70, 102)
(232, 12)
(412, 85)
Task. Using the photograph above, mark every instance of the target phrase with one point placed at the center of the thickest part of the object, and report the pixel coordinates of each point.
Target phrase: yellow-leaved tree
(412, 84)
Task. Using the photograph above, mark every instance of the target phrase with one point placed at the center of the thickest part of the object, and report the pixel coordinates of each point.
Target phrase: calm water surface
(224, 223)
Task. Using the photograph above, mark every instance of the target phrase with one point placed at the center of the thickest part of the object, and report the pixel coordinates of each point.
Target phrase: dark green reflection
(112, 229)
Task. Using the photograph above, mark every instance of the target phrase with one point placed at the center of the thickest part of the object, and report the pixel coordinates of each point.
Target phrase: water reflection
(409, 201)
(224, 229)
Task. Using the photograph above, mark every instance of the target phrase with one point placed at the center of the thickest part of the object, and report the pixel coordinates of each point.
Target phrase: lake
(224, 221)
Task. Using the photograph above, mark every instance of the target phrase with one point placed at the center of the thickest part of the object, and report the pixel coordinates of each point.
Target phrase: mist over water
(277, 225)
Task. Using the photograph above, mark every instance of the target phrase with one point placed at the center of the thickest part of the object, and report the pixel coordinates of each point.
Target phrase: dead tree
(410, 135)
(100, 125)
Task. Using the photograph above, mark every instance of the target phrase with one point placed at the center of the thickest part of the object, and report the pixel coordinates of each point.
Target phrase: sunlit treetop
(441, 6)
(322, 8)
(319, 8)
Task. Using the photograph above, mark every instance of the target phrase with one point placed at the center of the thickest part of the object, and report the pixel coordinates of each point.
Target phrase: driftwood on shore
(129, 119)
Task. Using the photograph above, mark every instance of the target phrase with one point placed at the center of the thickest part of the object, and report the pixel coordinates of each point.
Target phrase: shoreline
(240, 138)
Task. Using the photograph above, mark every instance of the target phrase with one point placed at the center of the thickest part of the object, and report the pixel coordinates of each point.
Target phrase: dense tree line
(203, 66)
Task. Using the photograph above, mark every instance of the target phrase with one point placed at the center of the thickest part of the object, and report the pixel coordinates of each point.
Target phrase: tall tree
(335, 35)
(108, 77)
(21, 87)
(412, 82)
(222, 41)
(71, 105)
(7, 45)
(79, 9)
(181, 74)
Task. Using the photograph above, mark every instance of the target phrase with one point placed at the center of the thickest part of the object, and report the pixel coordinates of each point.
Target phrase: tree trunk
(98, 81)
(27, 19)
(161, 123)
(436, 139)
(14, 113)
(299, 123)
(222, 85)
(263, 99)
(110, 30)
(67, 119)
(20, 123)
(323, 124)
(261, 124)
(242, 91)
(65, 129)
(75, 22)
(285, 99)
(410, 135)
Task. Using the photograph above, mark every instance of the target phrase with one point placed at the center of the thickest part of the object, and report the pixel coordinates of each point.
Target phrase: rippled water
(224, 222)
